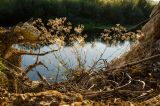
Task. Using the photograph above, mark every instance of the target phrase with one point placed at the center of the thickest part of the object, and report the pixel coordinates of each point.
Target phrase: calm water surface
(89, 53)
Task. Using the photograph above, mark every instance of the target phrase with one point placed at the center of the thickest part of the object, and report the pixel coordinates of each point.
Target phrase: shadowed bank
(91, 13)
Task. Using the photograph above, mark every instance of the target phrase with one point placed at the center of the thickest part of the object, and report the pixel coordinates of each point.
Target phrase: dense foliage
(81, 11)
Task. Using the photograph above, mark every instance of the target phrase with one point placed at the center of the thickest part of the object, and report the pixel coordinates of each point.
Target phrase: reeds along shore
(103, 11)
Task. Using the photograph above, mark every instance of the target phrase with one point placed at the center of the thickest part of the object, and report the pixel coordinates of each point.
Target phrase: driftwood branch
(112, 92)
(138, 26)
(134, 63)
(37, 54)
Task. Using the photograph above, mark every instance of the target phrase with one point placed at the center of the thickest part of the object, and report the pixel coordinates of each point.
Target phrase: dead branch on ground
(134, 63)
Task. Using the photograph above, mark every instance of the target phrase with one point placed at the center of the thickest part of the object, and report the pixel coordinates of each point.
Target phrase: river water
(70, 55)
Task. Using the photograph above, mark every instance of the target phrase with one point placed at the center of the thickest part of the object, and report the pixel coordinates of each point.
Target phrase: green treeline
(77, 11)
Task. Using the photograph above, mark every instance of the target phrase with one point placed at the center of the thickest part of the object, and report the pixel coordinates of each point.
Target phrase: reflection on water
(89, 52)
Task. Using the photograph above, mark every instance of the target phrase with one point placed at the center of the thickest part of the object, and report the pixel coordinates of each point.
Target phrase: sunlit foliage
(119, 34)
